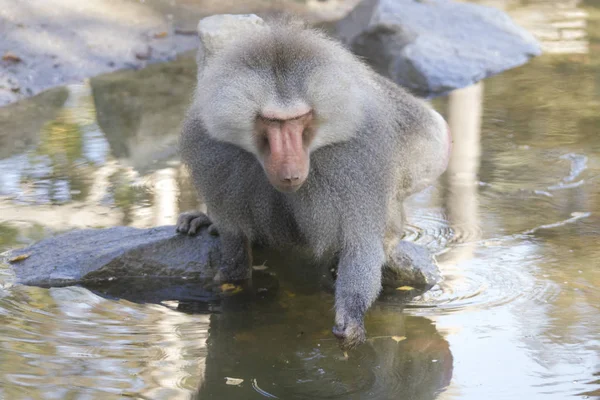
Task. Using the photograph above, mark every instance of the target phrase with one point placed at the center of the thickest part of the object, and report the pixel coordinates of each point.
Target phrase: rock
(66, 41)
(122, 258)
(434, 46)
(89, 255)
(411, 265)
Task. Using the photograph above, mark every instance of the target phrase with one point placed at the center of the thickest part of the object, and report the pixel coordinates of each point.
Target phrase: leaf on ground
(405, 288)
(233, 381)
(290, 294)
(160, 35)
(19, 258)
(229, 287)
(259, 267)
(8, 56)
(397, 339)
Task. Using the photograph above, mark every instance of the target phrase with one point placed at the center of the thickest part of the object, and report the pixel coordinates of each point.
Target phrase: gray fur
(375, 145)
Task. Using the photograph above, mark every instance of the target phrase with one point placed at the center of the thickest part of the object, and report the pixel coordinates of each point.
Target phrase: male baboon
(293, 141)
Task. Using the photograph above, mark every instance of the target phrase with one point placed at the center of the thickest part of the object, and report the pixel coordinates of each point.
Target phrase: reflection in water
(464, 119)
(280, 344)
(514, 223)
(560, 25)
(83, 345)
(99, 154)
(69, 147)
(285, 357)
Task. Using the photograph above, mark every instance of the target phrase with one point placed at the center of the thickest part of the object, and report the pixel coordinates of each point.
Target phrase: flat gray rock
(123, 254)
(116, 253)
(434, 46)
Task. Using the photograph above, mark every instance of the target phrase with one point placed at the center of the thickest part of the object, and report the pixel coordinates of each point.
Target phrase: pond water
(514, 223)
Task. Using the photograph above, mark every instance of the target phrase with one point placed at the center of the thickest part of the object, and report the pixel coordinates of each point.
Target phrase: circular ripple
(478, 284)
(429, 228)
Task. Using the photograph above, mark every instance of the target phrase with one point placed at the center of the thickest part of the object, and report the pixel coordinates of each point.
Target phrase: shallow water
(514, 224)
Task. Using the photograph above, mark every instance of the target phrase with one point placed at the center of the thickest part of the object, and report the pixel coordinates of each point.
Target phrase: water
(514, 225)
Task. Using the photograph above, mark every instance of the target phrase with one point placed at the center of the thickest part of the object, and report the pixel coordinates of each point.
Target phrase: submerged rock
(411, 265)
(434, 46)
(123, 254)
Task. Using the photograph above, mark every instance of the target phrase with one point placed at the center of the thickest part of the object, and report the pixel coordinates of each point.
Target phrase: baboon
(293, 141)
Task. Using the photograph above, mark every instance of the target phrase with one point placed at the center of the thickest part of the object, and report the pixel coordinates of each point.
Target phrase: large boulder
(434, 46)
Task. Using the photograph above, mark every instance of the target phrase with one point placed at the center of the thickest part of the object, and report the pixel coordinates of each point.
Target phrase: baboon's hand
(357, 286)
(190, 223)
(350, 332)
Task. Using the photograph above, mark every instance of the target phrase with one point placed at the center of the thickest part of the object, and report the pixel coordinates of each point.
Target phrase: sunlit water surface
(514, 224)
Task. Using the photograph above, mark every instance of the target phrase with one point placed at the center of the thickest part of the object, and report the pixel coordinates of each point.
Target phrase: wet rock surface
(91, 255)
(123, 254)
(411, 265)
(435, 46)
